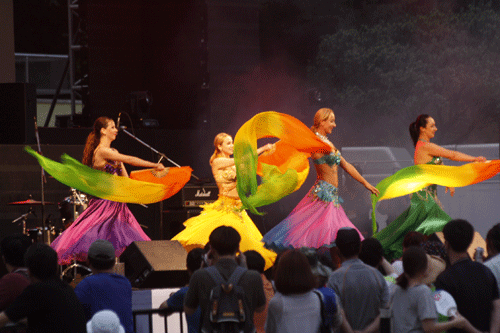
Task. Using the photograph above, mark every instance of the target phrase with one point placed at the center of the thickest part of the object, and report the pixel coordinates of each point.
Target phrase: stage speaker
(173, 220)
(155, 264)
(17, 113)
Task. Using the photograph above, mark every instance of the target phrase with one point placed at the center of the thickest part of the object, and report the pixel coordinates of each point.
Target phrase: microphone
(121, 128)
(118, 120)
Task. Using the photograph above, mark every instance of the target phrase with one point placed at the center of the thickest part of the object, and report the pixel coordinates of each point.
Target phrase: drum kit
(69, 210)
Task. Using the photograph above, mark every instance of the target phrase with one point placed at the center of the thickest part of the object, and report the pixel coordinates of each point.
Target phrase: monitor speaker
(155, 264)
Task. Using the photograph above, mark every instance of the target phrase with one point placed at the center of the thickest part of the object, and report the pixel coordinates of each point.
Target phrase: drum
(36, 234)
(71, 207)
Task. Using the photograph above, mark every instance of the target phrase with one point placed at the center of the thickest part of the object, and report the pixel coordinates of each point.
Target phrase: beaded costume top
(112, 167)
(226, 179)
(437, 160)
(331, 159)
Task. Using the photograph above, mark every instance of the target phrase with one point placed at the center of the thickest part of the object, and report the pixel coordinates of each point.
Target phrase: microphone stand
(123, 128)
(43, 181)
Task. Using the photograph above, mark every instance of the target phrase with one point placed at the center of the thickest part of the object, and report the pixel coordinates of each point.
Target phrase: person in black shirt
(49, 304)
(472, 285)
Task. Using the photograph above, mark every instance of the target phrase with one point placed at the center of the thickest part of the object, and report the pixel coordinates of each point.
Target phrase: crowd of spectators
(350, 287)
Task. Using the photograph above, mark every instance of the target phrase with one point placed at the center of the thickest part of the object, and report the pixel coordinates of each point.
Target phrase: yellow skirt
(224, 211)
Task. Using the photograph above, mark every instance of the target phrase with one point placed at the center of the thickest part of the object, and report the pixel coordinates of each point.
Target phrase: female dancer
(226, 210)
(103, 219)
(318, 216)
(425, 214)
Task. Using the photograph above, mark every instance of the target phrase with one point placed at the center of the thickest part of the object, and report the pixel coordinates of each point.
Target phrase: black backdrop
(149, 45)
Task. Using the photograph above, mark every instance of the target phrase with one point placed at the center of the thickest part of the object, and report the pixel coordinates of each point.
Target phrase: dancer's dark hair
(93, 140)
(415, 127)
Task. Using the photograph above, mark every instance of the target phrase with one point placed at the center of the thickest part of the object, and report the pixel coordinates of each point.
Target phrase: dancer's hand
(480, 159)
(159, 167)
(372, 189)
(452, 190)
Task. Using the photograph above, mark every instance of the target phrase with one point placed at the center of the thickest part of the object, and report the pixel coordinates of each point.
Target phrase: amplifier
(192, 196)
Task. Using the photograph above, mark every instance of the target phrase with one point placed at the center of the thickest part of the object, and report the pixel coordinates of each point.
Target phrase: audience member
(295, 308)
(372, 254)
(256, 262)
(12, 284)
(49, 304)
(470, 283)
(176, 301)
(105, 321)
(493, 248)
(331, 302)
(104, 289)
(412, 238)
(224, 246)
(413, 306)
(362, 289)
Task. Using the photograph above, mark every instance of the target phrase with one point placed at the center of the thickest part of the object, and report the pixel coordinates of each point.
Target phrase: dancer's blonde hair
(321, 115)
(219, 139)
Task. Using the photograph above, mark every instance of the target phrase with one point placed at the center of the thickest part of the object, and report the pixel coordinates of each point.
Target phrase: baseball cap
(102, 250)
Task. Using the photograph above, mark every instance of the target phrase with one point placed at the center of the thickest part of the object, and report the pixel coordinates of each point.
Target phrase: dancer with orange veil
(315, 220)
(103, 219)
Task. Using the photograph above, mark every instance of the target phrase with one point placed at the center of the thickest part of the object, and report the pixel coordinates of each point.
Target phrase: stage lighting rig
(140, 107)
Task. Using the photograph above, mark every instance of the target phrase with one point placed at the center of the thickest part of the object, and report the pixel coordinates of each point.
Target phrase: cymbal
(30, 202)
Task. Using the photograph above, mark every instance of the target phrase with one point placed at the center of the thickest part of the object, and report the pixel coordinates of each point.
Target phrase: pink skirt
(313, 223)
(103, 219)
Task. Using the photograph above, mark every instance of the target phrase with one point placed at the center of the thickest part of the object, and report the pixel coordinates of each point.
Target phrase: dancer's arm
(268, 147)
(356, 175)
(435, 150)
(224, 162)
(113, 155)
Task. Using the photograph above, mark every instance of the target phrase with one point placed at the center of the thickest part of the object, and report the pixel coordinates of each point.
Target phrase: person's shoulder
(251, 274)
(423, 289)
(121, 278)
(14, 277)
(199, 275)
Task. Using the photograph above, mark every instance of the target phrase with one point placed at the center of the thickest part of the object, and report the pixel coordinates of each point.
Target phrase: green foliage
(441, 63)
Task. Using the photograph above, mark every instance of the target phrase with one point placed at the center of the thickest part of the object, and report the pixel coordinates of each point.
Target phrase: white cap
(105, 321)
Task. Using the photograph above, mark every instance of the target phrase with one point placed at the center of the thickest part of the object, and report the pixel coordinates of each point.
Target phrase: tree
(441, 63)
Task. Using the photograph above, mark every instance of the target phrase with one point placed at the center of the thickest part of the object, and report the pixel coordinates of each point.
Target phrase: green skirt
(424, 215)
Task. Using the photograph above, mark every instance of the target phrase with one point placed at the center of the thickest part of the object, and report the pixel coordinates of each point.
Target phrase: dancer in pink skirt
(316, 219)
(103, 219)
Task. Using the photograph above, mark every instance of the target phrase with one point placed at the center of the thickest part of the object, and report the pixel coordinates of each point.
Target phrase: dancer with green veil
(425, 213)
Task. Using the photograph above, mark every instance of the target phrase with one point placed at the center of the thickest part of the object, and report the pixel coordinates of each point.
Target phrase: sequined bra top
(435, 159)
(112, 167)
(331, 159)
(226, 179)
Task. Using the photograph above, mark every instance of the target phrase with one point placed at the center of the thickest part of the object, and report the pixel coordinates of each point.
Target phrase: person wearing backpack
(227, 293)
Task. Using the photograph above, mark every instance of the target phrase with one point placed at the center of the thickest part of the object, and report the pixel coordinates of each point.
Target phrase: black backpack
(228, 312)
